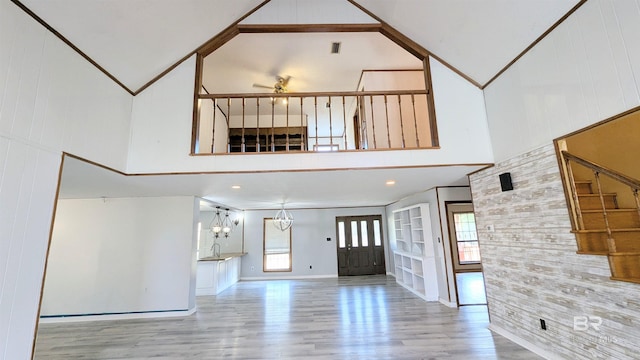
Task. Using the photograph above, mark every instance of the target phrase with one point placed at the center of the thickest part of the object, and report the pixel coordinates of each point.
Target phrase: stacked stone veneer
(532, 271)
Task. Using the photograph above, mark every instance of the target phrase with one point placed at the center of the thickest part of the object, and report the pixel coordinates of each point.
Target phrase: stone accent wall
(532, 270)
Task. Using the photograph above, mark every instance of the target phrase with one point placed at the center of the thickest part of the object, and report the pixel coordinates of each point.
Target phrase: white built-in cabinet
(414, 256)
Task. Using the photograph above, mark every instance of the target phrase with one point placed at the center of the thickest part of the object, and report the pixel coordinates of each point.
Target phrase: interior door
(360, 245)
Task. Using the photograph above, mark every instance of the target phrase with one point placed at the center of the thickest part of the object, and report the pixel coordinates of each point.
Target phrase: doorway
(360, 245)
(465, 253)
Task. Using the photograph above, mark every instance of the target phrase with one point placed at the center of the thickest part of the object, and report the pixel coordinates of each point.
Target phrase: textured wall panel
(532, 270)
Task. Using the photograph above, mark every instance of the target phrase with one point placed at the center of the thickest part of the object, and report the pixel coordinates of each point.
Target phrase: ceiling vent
(335, 48)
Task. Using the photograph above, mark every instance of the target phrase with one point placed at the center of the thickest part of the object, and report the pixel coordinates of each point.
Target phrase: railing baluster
(330, 125)
(257, 124)
(287, 136)
(213, 130)
(415, 119)
(228, 128)
(401, 120)
(344, 120)
(302, 134)
(373, 124)
(386, 112)
(315, 105)
(243, 145)
(574, 192)
(611, 242)
(273, 108)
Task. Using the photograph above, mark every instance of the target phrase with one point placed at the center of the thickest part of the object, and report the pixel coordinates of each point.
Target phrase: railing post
(574, 192)
(610, 240)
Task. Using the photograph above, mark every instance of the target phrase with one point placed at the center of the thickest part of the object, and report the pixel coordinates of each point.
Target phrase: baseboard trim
(52, 319)
(524, 343)
(448, 303)
(299, 277)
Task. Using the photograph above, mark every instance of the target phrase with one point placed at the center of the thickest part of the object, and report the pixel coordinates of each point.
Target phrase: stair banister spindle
(303, 135)
(574, 193)
(610, 240)
(315, 106)
(287, 142)
(273, 124)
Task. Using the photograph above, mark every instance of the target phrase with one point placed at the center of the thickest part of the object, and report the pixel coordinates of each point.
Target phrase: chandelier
(283, 219)
(222, 225)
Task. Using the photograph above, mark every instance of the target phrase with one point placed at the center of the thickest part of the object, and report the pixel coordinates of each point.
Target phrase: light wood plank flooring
(367, 317)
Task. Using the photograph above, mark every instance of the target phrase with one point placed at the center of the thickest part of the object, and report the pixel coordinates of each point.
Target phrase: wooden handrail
(634, 183)
(313, 94)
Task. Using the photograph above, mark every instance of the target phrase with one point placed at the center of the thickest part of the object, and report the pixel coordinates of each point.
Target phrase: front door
(360, 245)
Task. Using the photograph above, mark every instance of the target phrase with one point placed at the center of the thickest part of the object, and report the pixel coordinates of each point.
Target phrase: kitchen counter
(224, 256)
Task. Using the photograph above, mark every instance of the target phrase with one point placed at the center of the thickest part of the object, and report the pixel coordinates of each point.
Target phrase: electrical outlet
(310, 267)
(490, 228)
(253, 268)
(543, 324)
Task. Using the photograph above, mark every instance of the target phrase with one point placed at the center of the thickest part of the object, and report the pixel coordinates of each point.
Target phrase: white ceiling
(137, 40)
(302, 189)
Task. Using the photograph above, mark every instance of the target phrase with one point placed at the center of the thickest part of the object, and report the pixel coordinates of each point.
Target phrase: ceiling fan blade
(284, 80)
(262, 86)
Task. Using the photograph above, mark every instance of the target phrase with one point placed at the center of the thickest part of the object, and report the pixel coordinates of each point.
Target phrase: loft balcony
(313, 122)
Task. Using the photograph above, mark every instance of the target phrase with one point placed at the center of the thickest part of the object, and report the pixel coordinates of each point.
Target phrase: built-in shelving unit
(414, 260)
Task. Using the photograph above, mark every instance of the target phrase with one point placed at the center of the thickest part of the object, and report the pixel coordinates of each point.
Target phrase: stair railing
(598, 170)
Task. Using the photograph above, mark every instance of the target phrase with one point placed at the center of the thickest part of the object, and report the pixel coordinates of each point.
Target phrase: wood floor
(368, 317)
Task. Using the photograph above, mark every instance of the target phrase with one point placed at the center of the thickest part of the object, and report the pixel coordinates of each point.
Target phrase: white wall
(310, 230)
(586, 70)
(120, 255)
(436, 199)
(49, 104)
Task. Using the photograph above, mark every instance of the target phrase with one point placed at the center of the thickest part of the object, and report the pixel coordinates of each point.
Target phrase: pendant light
(283, 219)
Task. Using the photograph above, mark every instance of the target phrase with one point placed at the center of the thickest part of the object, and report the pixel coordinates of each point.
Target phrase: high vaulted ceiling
(135, 41)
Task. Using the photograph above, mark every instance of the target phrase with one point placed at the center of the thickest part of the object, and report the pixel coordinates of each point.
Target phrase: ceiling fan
(280, 87)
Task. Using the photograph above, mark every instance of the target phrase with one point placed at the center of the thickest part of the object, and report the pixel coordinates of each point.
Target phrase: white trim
(524, 343)
(141, 315)
(448, 303)
(299, 277)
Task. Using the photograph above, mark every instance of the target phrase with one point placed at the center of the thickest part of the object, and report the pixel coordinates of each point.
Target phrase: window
(467, 238)
(277, 248)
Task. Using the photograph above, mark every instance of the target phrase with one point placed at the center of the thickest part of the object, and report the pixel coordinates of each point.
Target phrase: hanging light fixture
(283, 219)
(227, 224)
(216, 223)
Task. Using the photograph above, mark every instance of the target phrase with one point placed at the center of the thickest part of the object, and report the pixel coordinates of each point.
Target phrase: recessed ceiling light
(390, 182)
(235, 187)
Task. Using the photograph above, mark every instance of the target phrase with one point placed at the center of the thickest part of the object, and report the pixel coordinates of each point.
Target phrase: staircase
(605, 229)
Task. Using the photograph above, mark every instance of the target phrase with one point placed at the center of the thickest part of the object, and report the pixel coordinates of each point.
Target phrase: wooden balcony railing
(362, 120)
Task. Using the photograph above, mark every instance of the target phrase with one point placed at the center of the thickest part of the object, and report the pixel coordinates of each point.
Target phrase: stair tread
(582, 181)
(633, 280)
(605, 230)
(624, 253)
(603, 194)
(609, 210)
